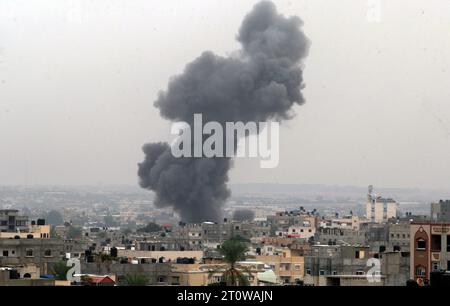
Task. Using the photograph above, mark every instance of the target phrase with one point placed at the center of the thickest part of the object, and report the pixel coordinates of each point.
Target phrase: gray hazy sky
(78, 80)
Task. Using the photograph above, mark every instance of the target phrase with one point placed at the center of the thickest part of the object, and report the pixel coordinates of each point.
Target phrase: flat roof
(431, 223)
(353, 276)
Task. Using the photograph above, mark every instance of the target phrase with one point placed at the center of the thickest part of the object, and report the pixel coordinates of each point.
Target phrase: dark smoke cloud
(262, 82)
(243, 215)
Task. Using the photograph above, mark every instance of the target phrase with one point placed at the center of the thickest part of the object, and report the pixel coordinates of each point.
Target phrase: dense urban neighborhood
(109, 239)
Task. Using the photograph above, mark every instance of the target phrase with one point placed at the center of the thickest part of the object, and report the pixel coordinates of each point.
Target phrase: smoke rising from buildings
(243, 215)
(262, 81)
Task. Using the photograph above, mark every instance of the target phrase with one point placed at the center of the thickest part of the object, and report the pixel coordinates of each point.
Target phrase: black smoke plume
(261, 81)
(243, 215)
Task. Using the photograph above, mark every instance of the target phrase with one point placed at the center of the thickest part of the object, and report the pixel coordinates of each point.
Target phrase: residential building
(323, 261)
(288, 267)
(440, 211)
(11, 221)
(379, 209)
(161, 256)
(430, 249)
(207, 274)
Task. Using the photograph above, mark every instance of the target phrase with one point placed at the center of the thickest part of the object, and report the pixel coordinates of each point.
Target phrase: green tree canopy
(136, 279)
(59, 270)
(234, 250)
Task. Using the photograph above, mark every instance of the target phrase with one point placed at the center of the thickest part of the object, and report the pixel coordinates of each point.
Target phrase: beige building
(379, 209)
(34, 231)
(345, 222)
(16, 226)
(166, 255)
(207, 274)
(288, 268)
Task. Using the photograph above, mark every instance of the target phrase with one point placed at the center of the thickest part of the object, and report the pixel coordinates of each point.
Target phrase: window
(175, 280)
(435, 266)
(308, 271)
(448, 246)
(5, 254)
(29, 253)
(436, 243)
(421, 271)
(360, 273)
(334, 273)
(48, 253)
(321, 272)
(161, 279)
(421, 244)
(297, 267)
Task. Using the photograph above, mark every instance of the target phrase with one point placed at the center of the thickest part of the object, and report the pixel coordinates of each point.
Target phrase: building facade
(379, 209)
(429, 248)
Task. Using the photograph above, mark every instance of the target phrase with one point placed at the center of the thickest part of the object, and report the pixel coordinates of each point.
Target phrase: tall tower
(370, 205)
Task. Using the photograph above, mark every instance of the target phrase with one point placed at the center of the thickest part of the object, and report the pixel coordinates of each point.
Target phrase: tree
(150, 228)
(234, 250)
(136, 279)
(60, 270)
(54, 217)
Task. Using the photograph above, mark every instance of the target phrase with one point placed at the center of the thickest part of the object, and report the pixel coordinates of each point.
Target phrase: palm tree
(234, 250)
(136, 279)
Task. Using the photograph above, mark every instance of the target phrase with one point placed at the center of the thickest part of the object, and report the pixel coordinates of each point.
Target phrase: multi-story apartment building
(326, 265)
(430, 248)
(301, 232)
(399, 236)
(291, 218)
(13, 225)
(11, 221)
(288, 267)
(336, 236)
(345, 222)
(379, 209)
(211, 235)
(39, 252)
(440, 211)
